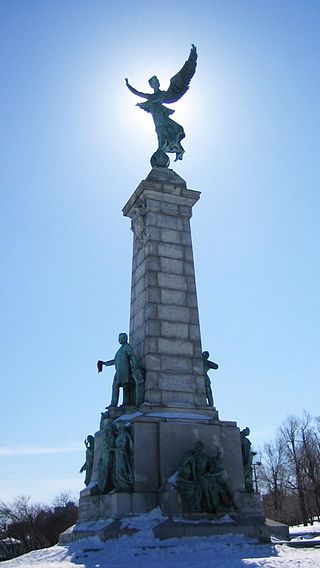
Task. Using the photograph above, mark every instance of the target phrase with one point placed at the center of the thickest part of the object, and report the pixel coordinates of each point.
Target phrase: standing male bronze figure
(128, 374)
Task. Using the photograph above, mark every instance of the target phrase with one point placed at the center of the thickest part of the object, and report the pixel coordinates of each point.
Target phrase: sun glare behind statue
(204, 117)
(214, 114)
(210, 113)
(114, 130)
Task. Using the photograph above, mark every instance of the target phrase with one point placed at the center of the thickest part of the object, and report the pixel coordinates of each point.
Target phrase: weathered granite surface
(164, 319)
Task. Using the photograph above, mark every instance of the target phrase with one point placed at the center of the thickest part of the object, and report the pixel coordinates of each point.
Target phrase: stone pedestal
(160, 441)
(175, 414)
(164, 319)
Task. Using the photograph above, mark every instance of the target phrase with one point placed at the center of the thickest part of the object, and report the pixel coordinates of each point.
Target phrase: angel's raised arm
(135, 92)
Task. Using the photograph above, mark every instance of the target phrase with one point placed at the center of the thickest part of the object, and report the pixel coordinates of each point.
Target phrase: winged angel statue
(169, 132)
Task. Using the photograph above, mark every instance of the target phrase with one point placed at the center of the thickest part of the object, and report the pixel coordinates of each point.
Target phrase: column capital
(163, 185)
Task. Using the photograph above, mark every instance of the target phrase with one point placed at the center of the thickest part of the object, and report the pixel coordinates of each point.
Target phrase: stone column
(164, 320)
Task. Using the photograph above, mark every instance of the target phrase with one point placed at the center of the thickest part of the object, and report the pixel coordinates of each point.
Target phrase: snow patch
(143, 550)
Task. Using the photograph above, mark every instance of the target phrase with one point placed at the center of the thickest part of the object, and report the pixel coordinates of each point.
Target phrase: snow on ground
(309, 529)
(143, 550)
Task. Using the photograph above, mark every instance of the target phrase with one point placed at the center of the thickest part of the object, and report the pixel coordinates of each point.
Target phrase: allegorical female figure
(247, 455)
(169, 132)
(88, 464)
(123, 452)
(105, 466)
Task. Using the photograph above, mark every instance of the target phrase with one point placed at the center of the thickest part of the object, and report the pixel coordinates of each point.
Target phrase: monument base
(173, 527)
(115, 505)
(161, 439)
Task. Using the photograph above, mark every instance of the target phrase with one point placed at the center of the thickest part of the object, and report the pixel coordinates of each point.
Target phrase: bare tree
(273, 478)
(290, 472)
(35, 525)
(310, 460)
(64, 499)
(289, 432)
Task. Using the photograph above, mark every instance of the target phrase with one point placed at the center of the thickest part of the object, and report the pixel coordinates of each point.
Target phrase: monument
(165, 445)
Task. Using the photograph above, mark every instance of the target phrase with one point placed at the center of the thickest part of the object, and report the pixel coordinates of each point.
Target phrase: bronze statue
(88, 464)
(207, 366)
(224, 491)
(123, 453)
(105, 465)
(128, 375)
(186, 483)
(169, 132)
(247, 455)
(202, 482)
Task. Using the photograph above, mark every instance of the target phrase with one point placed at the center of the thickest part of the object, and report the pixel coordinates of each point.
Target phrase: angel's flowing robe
(169, 132)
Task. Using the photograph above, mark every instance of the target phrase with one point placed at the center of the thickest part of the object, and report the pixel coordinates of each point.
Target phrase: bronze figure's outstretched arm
(135, 92)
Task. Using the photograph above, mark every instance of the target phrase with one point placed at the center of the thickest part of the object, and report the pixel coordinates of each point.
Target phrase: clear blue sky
(73, 149)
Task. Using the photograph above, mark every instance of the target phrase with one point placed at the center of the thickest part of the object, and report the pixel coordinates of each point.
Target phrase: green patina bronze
(123, 476)
(247, 455)
(105, 466)
(128, 374)
(202, 482)
(207, 366)
(115, 467)
(225, 493)
(169, 132)
(88, 464)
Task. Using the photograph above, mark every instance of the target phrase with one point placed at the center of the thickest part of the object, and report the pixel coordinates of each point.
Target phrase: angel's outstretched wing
(179, 84)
